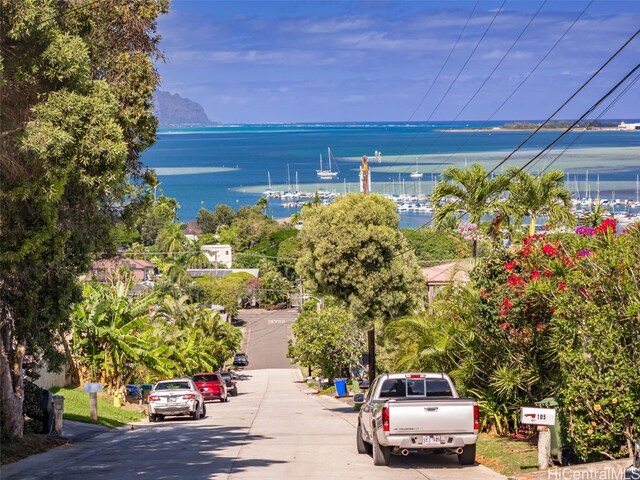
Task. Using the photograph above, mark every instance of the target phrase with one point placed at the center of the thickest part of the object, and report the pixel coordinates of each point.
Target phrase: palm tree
(471, 191)
(171, 239)
(543, 195)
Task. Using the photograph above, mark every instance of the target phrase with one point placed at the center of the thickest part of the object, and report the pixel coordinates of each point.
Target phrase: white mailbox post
(93, 389)
(543, 418)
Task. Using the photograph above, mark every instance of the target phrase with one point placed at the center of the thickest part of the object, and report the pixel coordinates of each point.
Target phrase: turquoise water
(205, 166)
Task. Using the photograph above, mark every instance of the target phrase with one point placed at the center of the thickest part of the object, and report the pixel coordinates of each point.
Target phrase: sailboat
(416, 174)
(326, 174)
(269, 191)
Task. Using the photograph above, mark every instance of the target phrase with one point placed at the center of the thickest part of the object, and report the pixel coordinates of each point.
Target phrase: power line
(435, 79)
(535, 15)
(613, 102)
(571, 97)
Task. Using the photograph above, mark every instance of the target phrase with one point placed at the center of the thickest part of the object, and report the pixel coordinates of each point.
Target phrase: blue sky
(336, 61)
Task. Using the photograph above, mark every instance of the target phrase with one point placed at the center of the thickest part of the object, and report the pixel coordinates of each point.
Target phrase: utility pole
(371, 334)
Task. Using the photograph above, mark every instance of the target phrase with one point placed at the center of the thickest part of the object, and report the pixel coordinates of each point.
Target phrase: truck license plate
(431, 439)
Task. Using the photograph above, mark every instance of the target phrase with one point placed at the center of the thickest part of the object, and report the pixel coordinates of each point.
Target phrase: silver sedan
(179, 396)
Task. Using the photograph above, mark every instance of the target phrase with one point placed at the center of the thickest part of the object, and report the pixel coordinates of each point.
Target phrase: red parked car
(212, 386)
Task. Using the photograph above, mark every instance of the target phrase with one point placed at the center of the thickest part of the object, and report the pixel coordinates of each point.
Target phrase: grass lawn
(506, 455)
(76, 407)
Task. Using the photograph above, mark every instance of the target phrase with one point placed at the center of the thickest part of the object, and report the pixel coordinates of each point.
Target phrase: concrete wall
(50, 379)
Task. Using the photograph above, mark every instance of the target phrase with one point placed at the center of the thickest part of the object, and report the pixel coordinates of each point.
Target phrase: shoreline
(546, 129)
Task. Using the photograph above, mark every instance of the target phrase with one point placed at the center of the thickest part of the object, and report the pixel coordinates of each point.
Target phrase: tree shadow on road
(179, 449)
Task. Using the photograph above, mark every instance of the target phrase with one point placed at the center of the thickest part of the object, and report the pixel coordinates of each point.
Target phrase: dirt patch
(30, 444)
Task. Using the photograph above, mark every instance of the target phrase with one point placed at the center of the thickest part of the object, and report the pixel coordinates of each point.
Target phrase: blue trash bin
(341, 386)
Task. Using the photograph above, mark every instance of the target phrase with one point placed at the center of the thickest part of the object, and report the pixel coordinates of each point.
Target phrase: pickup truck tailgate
(437, 416)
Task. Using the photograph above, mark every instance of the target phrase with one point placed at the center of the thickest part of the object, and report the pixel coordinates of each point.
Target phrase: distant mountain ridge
(172, 109)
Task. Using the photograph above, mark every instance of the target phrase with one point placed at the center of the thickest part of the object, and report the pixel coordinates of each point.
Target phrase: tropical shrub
(565, 312)
(328, 340)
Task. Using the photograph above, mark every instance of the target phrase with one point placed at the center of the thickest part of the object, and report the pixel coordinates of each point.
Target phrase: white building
(218, 254)
(629, 126)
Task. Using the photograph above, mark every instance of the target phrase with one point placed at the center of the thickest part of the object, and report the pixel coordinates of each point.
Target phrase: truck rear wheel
(468, 455)
(381, 455)
(363, 447)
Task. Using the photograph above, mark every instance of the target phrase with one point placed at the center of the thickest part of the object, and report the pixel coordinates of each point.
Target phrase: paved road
(276, 428)
(265, 337)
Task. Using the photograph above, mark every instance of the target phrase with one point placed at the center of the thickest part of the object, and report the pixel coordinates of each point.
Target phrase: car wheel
(196, 412)
(468, 455)
(381, 455)
(152, 418)
(362, 446)
(204, 411)
(234, 393)
(159, 418)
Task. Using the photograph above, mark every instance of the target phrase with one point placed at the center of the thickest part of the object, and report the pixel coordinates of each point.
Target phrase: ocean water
(231, 164)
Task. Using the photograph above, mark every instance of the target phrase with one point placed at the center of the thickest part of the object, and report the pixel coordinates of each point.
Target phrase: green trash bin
(561, 450)
(146, 390)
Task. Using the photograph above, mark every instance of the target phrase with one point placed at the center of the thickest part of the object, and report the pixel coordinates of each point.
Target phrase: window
(393, 389)
(173, 386)
(438, 388)
(205, 378)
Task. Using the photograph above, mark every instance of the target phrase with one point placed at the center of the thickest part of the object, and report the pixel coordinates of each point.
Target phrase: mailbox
(538, 416)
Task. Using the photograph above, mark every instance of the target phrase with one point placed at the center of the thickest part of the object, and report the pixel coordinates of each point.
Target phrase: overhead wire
(589, 124)
(566, 102)
(587, 112)
(475, 94)
(437, 76)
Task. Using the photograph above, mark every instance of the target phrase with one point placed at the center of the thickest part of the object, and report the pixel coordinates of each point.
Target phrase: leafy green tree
(155, 218)
(432, 245)
(289, 252)
(209, 221)
(470, 191)
(328, 340)
(171, 240)
(227, 291)
(76, 89)
(537, 196)
(247, 229)
(354, 251)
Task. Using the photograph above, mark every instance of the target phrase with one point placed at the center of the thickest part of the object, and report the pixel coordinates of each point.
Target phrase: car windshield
(206, 378)
(173, 386)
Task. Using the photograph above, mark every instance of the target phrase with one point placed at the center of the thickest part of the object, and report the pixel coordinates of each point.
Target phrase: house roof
(445, 273)
(192, 228)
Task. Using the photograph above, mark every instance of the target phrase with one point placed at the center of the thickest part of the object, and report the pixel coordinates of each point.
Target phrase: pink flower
(540, 326)
(549, 250)
(506, 303)
(509, 266)
(585, 252)
(607, 224)
(514, 280)
(505, 326)
(535, 275)
(562, 286)
(548, 273)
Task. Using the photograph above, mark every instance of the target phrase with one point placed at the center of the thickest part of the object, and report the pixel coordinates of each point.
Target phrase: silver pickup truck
(404, 412)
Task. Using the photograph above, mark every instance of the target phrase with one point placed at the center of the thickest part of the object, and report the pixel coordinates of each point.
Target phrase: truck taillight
(385, 418)
(476, 417)
(153, 398)
(189, 396)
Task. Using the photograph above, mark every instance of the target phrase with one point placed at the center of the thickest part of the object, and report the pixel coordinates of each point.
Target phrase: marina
(237, 164)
